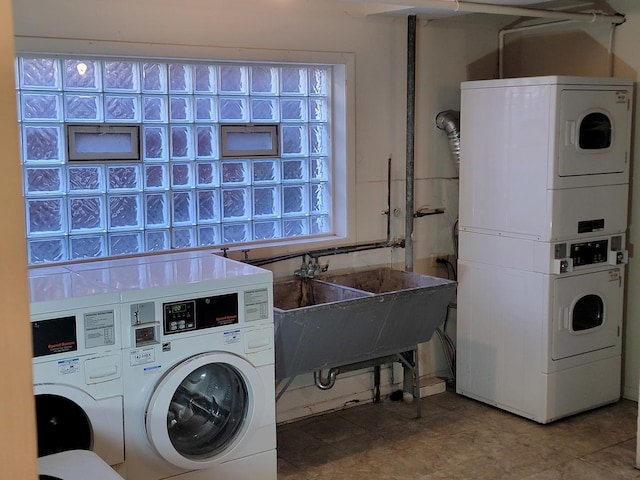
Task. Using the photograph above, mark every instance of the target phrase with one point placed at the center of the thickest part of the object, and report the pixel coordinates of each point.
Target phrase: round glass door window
(207, 410)
(588, 313)
(62, 425)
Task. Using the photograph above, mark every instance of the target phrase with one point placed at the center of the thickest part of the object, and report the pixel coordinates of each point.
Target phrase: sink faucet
(310, 269)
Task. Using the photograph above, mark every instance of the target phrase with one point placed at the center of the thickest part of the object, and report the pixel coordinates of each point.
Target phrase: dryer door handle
(563, 318)
(570, 132)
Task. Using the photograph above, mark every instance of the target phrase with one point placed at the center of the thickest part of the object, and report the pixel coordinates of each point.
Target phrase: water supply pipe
(411, 109)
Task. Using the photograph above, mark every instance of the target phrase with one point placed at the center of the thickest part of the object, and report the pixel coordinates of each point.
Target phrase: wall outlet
(433, 260)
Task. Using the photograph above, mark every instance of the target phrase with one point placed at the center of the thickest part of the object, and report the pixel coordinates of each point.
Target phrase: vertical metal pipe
(411, 109)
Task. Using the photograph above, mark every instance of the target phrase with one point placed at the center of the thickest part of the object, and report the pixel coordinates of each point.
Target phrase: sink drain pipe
(326, 383)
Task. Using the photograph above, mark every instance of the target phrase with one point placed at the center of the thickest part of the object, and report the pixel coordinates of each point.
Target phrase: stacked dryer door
(77, 365)
(543, 214)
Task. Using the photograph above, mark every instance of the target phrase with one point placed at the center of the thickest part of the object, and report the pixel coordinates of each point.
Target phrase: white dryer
(77, 365)
(545, 158)
(199, 367)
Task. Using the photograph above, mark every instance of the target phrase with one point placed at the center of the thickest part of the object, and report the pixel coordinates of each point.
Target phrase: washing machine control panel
(200, 313)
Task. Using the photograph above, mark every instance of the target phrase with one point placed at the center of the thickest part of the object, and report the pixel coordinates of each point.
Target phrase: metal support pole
(411, 109)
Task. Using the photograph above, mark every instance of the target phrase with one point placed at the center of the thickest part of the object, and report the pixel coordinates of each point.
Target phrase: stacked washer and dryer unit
(544, 183)
(197, 365)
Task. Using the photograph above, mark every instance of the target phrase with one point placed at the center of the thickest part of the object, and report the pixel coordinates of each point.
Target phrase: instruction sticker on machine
(231, 336)
(256, 305)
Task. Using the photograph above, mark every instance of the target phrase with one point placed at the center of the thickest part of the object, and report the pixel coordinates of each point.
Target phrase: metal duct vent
(449, 121)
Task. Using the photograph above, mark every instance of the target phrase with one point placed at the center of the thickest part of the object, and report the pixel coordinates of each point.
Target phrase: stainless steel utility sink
(354, 317)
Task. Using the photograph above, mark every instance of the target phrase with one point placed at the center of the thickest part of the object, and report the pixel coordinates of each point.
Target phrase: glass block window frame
(183, 194)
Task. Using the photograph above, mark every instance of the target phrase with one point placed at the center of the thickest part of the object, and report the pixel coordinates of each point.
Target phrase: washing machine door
(588, 313)
(68, 418)
(203, 408)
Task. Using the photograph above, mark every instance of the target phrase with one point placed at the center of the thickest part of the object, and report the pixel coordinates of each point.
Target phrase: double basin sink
(344, 319)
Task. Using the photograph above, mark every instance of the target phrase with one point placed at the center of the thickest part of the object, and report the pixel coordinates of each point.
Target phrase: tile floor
(458, 438)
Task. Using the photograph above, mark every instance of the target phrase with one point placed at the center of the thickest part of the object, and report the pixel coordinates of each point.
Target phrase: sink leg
(411, 377)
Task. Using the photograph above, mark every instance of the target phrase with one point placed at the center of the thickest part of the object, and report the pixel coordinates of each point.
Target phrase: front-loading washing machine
(199, 367)
(77, 365)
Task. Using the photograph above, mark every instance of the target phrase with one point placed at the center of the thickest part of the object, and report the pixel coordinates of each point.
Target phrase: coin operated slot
(618, 257)
(146, 334)
(562, 265)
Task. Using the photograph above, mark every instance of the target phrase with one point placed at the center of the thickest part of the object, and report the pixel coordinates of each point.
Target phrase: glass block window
(183, 194)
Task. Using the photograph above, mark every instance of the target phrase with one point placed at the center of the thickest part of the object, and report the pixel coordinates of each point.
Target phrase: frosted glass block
(86, 179)
(294, 140)
(266, 230)
(235, 172)
(155, 143)
(42, 143)
(233, 109)
(184, 237)
(157, 210)
(40, 73)
(39, 180)
(207, 174)
(41, 107)
(264, 80)
(88, 246)
(318, 139)
(183, 208)
(124, 177)
(236, 204)
(46, 215)
(125, 243)
(86, 213)
(266, 201)
(319, 198)
(265, 171)
(318, 81)
(154, 78)
(318, 110)
(155, 177)
(294, 109)
(180, 109)
(209, 235)
(233, 79)
(295, 227)
(295, 169)
(157, 241)
(320, 168)
(294, 81)
(180, 78)
(121, 76)
(205, 79)
(47, 250)
(154, 109)
(182, 175)
(83, 107)
(320, 225)
(264, 110)
(121, 108)
(206, 109)
(207, 142)
(124, 211)
(208, 206)
(236, 233)
(294, 199)
(82, 75)
(182, 142)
